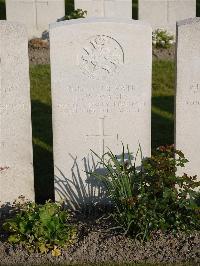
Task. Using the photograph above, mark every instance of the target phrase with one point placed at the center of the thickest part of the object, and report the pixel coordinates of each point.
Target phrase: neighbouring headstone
(16, 158)
(35, 14)
(163, 14)
(188, 93)
(101, 95)
(106, 8)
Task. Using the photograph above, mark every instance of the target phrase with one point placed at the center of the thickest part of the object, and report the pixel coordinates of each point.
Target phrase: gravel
(39, 52)
(97, 244)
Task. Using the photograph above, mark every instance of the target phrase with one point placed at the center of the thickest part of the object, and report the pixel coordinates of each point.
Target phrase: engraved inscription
(194, 99)
(195, 88)
(103, 99)
(10, 108)
(101, 57)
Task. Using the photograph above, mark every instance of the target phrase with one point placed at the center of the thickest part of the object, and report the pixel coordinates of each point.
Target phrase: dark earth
(39, 52)
(97, 243)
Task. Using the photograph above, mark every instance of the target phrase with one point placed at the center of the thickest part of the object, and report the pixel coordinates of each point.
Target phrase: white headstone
(188, 93)
(101, 93)
(106, 8)
(15, 115)
(35, 14)
(163, 14)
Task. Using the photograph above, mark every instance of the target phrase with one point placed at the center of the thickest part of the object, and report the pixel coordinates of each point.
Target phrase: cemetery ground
(95, 242)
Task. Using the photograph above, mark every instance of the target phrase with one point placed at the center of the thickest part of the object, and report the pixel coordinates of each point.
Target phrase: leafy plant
(197, 199)
(151, 197)
(78, 13)
(162, 39)
(41, 228)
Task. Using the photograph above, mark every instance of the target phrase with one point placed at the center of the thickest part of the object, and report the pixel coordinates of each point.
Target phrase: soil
(164, 54)
(39, 52)
(96, 243)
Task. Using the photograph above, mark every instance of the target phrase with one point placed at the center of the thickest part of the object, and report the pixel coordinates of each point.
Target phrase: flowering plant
(162, 39)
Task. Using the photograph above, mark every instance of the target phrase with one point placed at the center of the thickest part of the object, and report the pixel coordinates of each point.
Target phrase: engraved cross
(101, 135)
(36, 2)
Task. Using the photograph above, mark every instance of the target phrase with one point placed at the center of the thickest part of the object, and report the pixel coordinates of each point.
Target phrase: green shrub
(151, 197)
(197, 199)
(78, 13)
(162, 39)
(41, 228)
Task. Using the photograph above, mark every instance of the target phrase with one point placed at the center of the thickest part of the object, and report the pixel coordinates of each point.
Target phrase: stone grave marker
(188, 93)
(106, 8)
(163, 14)
(16, 158)
(101, 94)
(35, 14)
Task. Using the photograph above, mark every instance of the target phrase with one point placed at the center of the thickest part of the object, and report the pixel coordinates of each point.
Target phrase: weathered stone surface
(106, 8)
(15, 115)
(101, 93)
(163, 14)
(188, 93)
(35, 14)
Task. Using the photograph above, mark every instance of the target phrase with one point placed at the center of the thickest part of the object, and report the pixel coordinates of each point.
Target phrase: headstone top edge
(99, 20)
(188, 21)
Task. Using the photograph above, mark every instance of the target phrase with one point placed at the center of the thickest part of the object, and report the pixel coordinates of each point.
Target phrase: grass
(42, 131)
(162, 119)
(163, 103)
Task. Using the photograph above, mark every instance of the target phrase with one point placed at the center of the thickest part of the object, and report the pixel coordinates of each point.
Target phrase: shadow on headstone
(77, 193)
(89, 194)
